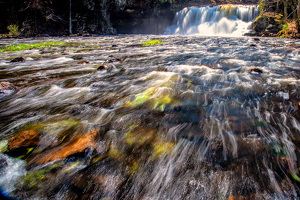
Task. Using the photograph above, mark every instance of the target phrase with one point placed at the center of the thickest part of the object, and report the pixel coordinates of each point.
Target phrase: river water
(192, 118)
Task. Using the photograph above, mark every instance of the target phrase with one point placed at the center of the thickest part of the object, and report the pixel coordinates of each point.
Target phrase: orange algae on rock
(76, 145)
(23, 139)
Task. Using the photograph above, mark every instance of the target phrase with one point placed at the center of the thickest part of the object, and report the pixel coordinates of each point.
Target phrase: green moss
(142, 97)
(3, 146)
(295, 177)
(160, 103)
(153, 99)
(152, 42)
(262, 6)
(32, 179)
(40, 45)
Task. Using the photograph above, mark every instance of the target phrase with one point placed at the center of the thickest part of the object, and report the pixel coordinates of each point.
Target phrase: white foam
(214, 21)
(11, 172)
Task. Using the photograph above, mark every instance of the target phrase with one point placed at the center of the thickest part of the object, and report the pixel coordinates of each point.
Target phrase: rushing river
(192, 118)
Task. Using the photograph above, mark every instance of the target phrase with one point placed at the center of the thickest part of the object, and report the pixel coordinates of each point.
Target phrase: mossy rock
(34, 135)
(268, 24)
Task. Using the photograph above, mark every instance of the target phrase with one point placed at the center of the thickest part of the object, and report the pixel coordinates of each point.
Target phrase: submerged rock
(18, 59)
(101, 67)
(255, 71)
(24, 139)
(6, 89)
(103, 180)
(75, 145)
(83, 62)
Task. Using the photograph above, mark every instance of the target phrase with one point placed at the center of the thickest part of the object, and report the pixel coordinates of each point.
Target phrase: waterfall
(233, 20)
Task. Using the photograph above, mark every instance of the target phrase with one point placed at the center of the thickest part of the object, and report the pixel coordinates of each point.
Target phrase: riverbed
(192, 118)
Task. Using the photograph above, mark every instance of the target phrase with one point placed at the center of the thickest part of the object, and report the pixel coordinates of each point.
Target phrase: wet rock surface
(192, 118)
(77, 144)
(23, 139)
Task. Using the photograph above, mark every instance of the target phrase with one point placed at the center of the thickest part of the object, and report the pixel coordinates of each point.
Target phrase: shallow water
(193, 118)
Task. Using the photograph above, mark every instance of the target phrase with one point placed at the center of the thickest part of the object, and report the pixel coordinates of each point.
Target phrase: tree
(70, 17)
(298, 17)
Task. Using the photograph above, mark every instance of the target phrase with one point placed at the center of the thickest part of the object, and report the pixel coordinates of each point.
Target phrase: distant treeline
(290, 9)
(32, 17)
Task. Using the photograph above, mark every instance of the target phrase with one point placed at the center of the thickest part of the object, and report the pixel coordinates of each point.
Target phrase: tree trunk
(285, 5)
(70, 17)
(298, 18)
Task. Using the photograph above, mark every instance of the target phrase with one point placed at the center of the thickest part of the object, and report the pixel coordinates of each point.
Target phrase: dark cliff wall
(95, 16)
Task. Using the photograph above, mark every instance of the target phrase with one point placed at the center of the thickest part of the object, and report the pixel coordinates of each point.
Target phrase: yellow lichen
(162, 148)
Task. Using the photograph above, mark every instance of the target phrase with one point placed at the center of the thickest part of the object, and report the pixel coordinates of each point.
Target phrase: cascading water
(233, 20)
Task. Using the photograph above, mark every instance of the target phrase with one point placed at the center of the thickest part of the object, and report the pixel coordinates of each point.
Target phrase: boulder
(255, 70)
(268, 24)
(18, 59)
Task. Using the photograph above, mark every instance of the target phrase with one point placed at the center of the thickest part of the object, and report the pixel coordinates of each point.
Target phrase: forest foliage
(287, 15)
